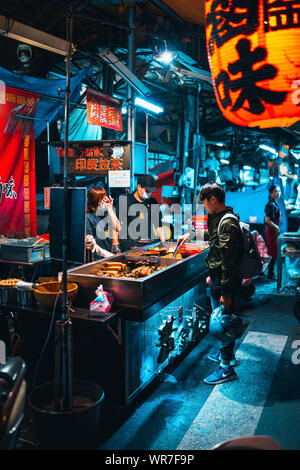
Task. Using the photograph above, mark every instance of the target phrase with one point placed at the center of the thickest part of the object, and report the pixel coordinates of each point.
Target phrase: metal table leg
(279, 267)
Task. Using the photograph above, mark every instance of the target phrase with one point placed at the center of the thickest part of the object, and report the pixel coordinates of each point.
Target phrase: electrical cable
(46, 341)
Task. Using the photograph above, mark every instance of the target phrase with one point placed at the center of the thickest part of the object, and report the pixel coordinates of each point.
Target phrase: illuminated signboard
(94, 157)
(104, 110)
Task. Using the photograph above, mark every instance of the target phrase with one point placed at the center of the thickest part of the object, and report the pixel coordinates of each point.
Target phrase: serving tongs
(177, 248)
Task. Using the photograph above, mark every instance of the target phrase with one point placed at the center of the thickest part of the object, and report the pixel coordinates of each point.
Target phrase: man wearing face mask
(140, 216)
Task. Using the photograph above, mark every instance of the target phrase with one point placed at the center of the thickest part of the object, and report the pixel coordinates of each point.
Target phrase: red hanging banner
(104, 110)
(17, 164)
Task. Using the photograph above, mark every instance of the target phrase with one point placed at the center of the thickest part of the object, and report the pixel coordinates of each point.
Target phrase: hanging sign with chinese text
(95, 157)
(103, 110)
(253, 53)
(17, 164)
(119, 179)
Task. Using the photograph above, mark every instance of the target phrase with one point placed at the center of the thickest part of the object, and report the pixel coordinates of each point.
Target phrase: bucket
(67, 430)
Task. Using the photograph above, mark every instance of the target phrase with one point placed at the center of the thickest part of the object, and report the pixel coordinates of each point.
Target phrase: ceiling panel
(189, 10)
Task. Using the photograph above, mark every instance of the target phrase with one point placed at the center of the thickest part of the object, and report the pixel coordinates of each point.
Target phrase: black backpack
(251, 263)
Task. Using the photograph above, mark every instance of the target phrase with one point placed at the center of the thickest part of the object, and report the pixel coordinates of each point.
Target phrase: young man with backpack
(226, 250)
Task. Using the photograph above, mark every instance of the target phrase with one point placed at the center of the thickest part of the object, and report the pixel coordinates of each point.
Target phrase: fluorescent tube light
(23, 33)
(296, 155)
(268, 149)
(147, 105)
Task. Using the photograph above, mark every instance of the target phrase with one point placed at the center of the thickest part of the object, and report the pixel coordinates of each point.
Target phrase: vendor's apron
(271, 239)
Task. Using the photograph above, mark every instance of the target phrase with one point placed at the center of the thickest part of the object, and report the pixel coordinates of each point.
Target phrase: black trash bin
(66, 430)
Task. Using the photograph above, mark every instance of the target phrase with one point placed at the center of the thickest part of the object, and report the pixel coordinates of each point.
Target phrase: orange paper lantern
(253, 51)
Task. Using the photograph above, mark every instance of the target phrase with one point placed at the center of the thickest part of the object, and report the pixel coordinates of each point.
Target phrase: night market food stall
(159, 312)
(158, 303)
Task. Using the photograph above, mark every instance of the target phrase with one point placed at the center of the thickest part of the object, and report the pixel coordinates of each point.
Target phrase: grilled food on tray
(142, 271)
(113, 266)
(156, 250)
(170, 255)
(122, 270)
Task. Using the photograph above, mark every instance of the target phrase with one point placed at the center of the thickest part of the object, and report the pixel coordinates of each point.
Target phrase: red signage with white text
(17, 164)
(104, 110)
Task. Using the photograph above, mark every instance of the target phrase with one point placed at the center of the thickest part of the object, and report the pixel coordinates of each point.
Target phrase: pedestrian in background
(272, 227)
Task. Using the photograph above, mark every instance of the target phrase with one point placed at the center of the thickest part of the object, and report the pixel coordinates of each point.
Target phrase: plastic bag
(102, 304)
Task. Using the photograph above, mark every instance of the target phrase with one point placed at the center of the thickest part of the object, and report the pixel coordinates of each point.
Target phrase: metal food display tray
(140, 293)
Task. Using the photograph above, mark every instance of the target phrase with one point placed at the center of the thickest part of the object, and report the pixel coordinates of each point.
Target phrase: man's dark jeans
(226, 349)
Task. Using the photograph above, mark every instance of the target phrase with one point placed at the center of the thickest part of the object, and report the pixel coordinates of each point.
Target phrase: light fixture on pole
(163, 56)
(148, 105)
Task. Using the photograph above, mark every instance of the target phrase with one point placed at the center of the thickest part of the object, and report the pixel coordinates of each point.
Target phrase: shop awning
(52, 93)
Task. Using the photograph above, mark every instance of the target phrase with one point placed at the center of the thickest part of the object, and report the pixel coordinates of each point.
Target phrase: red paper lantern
(253, 51)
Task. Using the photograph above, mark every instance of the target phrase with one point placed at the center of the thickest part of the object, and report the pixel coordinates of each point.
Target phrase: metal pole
(63, 366)
(147, 143)
(197, 108)
(196, 183)
(66, 145)
(51, 176)
(130, 90)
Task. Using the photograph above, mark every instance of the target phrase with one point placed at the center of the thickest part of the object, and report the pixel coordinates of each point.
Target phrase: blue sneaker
(220, 376)
(216, 357)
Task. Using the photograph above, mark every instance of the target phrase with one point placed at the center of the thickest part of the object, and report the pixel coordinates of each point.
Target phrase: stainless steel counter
(157, 320)
(138, 294)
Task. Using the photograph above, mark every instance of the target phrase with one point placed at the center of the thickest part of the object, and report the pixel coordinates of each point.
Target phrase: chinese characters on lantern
(281, 14)
(253, 55)
(250, 92)
(230, 19)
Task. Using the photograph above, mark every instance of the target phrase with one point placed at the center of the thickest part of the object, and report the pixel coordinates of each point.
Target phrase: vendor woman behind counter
(101, 223)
